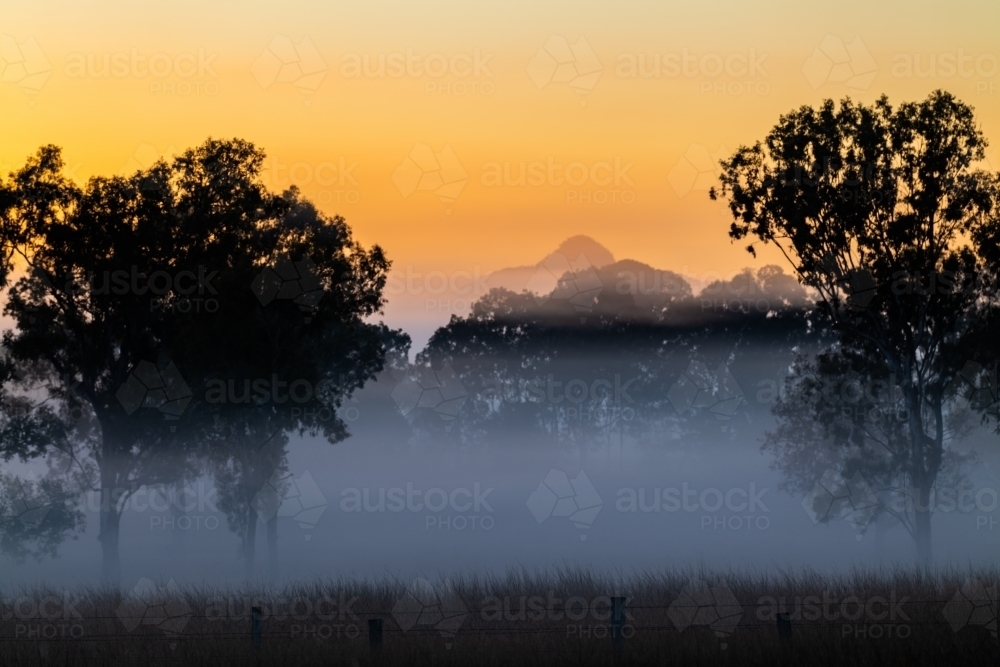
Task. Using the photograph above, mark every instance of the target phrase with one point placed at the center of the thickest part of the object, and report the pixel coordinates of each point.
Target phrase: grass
(690, 617)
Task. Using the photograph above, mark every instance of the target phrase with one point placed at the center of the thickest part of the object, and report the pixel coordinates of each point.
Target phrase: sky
(615, 113)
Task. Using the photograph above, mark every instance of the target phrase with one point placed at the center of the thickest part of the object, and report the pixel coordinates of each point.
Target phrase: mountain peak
(595, 253)
(576, 253)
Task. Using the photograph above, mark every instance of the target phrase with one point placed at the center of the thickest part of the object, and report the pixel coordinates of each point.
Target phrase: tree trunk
(272, 549)
(250, 543)
(921, 477)
(922, 524)
(111, 567)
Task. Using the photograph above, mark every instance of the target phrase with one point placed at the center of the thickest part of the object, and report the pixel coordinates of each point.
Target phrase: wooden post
(256, 626)
(375, 634)
(784, 627)
(618, 626)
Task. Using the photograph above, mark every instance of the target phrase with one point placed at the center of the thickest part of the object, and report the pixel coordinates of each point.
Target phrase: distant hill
(576, 253)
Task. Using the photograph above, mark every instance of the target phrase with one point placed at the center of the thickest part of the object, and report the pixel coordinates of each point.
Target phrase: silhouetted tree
(594, 368)
(882, 214)
(140, 292)
(285, 365)
(838, 411)
(38, 513)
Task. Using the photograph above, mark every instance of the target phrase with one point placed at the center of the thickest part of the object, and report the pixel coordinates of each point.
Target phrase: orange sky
(550, 84)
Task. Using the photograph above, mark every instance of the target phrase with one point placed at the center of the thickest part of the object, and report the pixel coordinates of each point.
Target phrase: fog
(486, 523)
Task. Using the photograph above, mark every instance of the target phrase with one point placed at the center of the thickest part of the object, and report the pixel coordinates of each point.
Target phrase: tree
(838, 411)
(139, 293)
(537, 369)
(280, 364)
(38, 514)
(883, 214)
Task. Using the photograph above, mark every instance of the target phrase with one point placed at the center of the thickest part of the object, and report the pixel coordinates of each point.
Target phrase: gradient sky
(342, 138)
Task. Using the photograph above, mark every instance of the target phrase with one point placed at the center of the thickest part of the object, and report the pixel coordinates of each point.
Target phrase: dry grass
(519, 618)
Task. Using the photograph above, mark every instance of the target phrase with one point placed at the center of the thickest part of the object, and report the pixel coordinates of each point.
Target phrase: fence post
(256, 626)
(375, 634)
(784, 627)
(618, 626)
